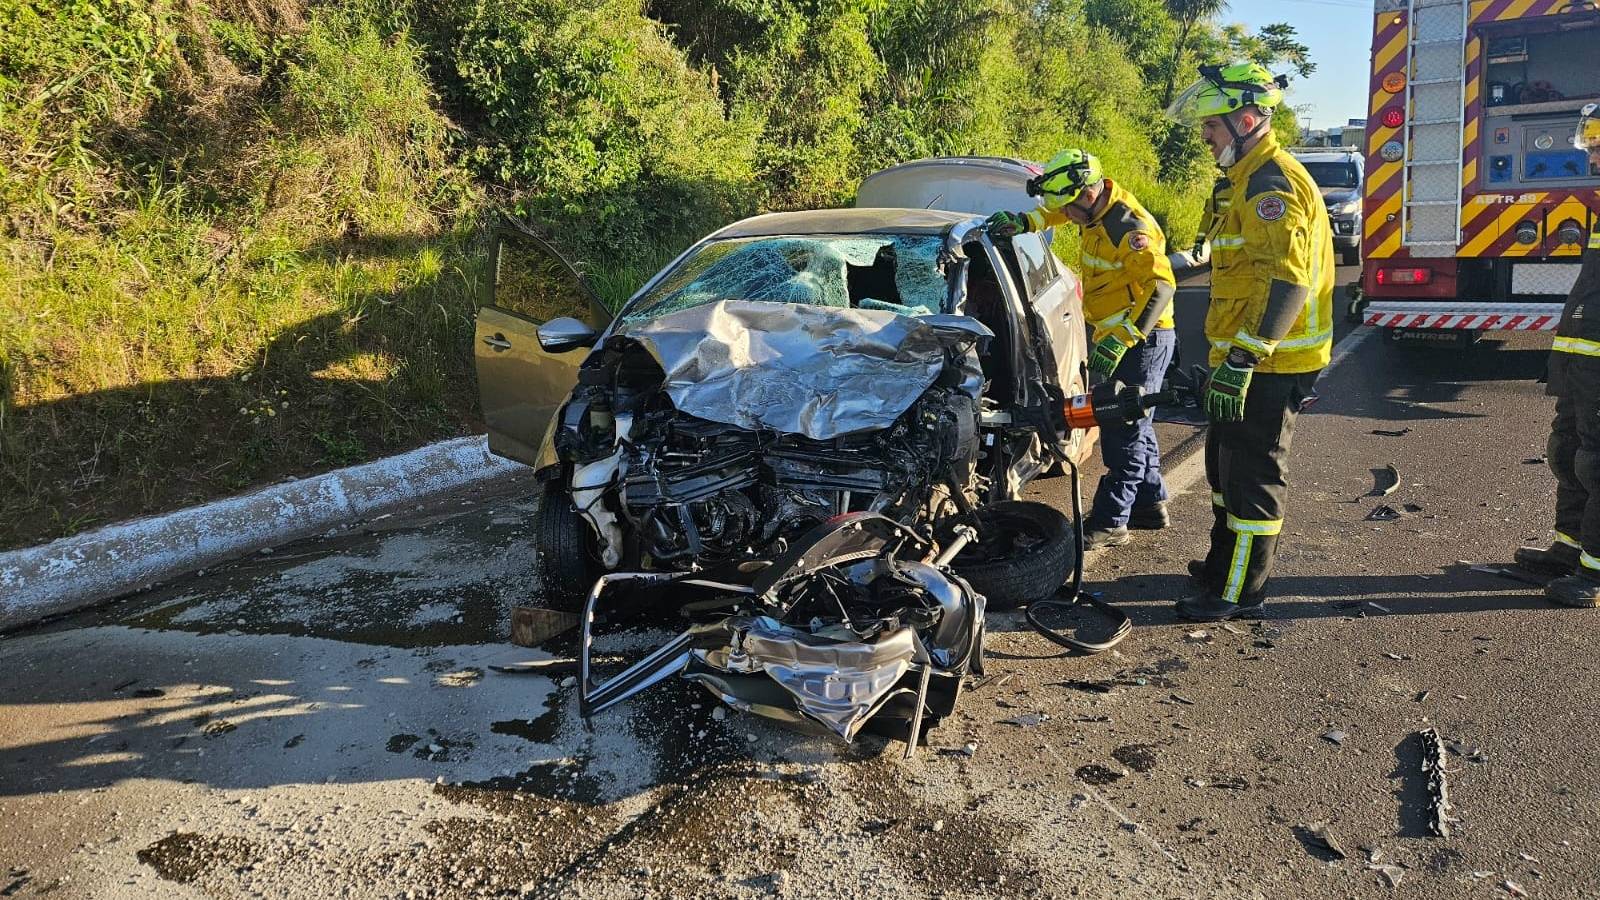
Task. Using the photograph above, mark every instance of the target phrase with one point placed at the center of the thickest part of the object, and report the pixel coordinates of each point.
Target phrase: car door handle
(498, 342)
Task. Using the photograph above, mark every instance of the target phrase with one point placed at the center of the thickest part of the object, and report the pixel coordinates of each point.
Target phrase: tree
(1186, 13)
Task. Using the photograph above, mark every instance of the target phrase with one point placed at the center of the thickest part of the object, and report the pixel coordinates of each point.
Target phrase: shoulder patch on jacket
(1268, 179)
(1271, 208)
(1119, 220)
(1139, 241)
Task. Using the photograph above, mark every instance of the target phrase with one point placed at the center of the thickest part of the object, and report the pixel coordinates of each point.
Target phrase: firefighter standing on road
(1127, 296)
(1574, 448)
(1270, 326)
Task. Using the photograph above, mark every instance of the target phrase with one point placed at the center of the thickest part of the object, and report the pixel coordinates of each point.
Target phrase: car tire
(1027, 552)
(567, 552)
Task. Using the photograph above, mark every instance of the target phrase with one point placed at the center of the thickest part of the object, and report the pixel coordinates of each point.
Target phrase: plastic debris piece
(1391, 875)
(1179, 698)
(1514, 889)
(1380, 607)
(1026, 720)
(1318, 835)
(1335, 736)
(1383, 513)
(1534, 461)
(1384, 432)
(1198, 636)
(1229, 628)
(1385, 480)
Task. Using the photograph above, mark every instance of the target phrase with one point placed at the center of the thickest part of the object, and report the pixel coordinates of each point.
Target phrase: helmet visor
(1198, 102)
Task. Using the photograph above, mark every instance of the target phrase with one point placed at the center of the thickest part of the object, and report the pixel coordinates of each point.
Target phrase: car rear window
(894, 272)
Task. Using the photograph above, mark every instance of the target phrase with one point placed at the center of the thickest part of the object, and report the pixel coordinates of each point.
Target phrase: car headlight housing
(1347, 208)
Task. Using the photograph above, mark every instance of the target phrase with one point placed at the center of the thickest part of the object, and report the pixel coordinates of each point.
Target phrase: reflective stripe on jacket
(1272, 248)
(1124, 257)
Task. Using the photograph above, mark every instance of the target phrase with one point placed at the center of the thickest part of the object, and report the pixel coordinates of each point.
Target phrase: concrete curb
(66, 574)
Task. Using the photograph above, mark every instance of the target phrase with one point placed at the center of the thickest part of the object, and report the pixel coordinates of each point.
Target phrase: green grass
(246, 241)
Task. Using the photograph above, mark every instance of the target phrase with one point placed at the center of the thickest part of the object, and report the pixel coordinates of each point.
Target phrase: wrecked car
(809, 434)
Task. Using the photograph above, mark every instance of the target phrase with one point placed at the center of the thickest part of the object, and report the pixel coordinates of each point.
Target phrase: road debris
(1383, 513)
(996, 680)
(1512, 574)
(1384, 432)
(1380, 607)
(1179, 698)
(1335, 737)
(1088, 687)
(1026, 720)
(547, 667)
(1318, 836)
(1200, 636)
(1390, 874)
(1514, 889)
(1439, 819)
(1385, 481)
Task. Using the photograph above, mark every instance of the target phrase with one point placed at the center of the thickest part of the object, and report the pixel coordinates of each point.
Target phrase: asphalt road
(327, 721)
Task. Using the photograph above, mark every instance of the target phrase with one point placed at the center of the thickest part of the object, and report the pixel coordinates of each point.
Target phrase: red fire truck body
(1476, 202)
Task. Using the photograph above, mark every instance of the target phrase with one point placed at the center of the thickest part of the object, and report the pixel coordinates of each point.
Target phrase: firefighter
(1574, 447)
(1270, 326)
(1127, 297)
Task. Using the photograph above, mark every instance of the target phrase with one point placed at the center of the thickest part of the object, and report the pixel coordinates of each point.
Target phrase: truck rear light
(1417, 275)
(1570, 232)
(1393, 117)
(1527, 233)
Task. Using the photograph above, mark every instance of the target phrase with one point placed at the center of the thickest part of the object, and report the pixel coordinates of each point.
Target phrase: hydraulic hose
(1067, 598)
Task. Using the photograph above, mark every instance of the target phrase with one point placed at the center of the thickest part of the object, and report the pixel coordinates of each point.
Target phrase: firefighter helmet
(1065, 177)
(1225, 89)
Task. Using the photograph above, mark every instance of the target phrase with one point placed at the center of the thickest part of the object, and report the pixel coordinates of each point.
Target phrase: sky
(1339, 33)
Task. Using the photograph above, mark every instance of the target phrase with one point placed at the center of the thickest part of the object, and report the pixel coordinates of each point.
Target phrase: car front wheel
(568, 559)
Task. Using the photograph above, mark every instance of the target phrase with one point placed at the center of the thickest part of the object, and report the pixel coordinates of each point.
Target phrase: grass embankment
(243, 241)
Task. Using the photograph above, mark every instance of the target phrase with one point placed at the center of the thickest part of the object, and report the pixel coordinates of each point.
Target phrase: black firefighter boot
(1580, 590)
(1561, 559)
(1209, 607)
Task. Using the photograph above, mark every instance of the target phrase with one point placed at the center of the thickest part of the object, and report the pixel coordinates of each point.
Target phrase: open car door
(523, 380)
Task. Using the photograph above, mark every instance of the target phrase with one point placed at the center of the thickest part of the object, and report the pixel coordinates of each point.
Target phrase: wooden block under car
(533, 625)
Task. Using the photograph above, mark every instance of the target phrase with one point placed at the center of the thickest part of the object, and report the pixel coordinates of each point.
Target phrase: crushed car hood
(800, 369)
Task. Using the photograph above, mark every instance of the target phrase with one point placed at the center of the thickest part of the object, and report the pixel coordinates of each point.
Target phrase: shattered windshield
(898, 273)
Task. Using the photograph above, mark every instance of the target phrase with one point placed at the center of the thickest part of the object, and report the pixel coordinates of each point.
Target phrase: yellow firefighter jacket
(1127, 280)
(1272, 265)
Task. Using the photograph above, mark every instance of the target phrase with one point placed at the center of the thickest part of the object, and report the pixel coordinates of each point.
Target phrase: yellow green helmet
(1064, 177)
(1588, 135)
(1225, 89)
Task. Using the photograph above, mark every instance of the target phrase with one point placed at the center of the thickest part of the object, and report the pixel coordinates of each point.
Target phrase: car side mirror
(565, 334)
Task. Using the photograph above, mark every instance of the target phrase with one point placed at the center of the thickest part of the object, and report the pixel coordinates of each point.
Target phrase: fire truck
(1477, 203)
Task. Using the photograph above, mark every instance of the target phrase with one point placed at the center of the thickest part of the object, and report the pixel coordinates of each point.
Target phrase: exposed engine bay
(675, 481)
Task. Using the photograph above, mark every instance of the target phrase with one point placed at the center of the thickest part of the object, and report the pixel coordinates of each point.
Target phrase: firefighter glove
(1226, 390)
(1106, 355)
(1006, 224)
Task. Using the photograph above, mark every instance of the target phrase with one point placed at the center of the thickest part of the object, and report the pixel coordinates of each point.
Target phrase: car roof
(842, 221)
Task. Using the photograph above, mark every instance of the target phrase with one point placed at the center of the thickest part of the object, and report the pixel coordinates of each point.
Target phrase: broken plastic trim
(666, 661)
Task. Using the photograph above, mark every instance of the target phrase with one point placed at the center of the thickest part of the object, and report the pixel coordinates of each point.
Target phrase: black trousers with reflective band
(1574, 454)
(1247, 465)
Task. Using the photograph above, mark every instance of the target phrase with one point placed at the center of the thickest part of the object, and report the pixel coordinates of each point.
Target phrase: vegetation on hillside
(241, 241)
